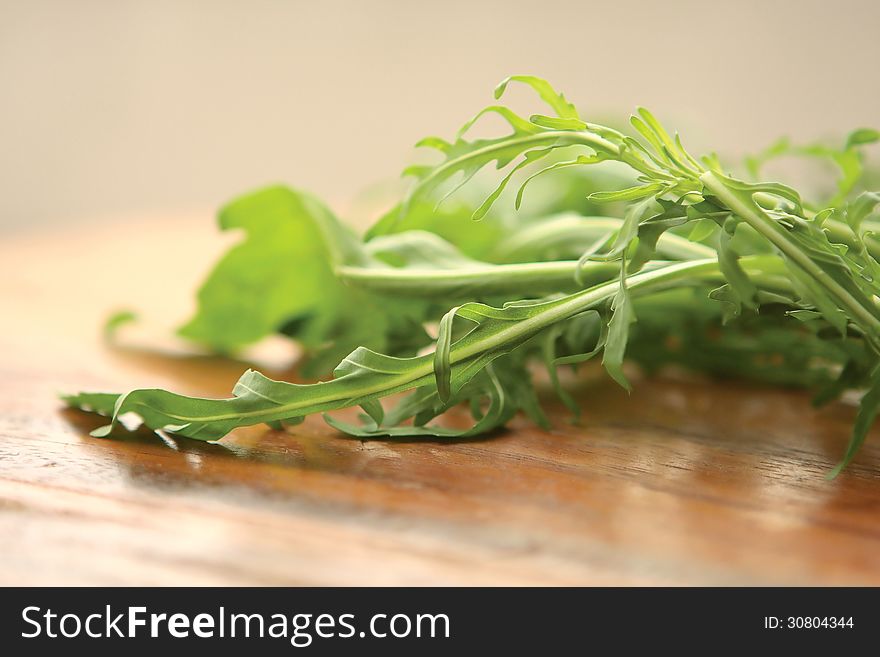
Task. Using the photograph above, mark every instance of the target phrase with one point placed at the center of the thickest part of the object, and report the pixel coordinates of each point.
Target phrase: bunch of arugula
(725, 275)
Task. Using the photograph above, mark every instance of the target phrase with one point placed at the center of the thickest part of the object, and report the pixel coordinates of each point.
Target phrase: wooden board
(683, 482)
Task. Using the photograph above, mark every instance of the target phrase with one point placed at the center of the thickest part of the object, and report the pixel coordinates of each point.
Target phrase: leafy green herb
(281, 279)
(746, 278)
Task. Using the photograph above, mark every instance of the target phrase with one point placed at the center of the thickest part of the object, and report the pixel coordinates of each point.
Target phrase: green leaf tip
(116, 321)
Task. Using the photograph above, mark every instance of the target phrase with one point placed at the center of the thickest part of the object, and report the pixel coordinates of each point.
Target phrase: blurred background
(117, 109)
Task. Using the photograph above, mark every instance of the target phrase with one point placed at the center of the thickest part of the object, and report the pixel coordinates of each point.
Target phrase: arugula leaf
(365, 375)
(281, 279)
(622, 316)
(281, 271)
(688, 247)
(849, 160)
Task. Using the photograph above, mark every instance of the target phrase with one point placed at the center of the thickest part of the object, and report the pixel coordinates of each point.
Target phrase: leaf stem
(745, 207)
(340, 392)
(476, 281)
(563, 137)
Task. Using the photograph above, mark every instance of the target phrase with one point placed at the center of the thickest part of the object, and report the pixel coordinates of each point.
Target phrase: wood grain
(684, 482)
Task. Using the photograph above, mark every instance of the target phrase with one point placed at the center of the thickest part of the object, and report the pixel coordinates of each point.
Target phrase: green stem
(558, 137)
(750, 212)
(571, 231)
(843, 234)
(341, 393)
(532, 278)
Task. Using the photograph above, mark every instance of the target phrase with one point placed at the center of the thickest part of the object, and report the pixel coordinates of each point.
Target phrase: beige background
(112, 109)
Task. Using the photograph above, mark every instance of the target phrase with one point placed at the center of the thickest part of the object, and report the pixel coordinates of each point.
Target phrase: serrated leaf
(630, 194)
(528, 158)
(738, 281)
(280, 272)
(548, 94)
(858, 210)
(373, 408)
(442, 364)
(365, 375)
(622, 315)
(813, 271)
(580, 160)
(869, 406)
(556, 123)
(702, 230)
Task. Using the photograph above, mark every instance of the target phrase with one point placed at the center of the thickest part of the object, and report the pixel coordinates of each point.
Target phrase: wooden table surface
(683, 482)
